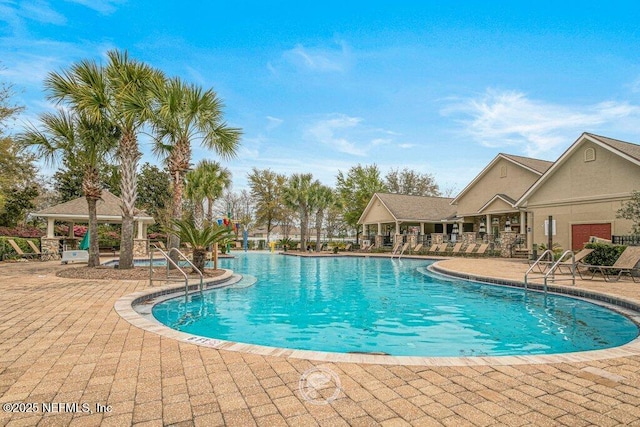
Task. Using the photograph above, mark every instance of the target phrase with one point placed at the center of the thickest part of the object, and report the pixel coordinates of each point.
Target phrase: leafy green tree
(200, 238)
(118, 93)
(19, 202)
(84, 144)
(355, 190)
(266, 191)
(321, 198)
(631, 210)
(154, 194)
(412, 183)
(182, 114)
(16, 165)
(297, 195)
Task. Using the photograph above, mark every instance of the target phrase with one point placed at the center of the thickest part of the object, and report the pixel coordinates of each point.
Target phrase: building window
(589, 155)
(503, 171)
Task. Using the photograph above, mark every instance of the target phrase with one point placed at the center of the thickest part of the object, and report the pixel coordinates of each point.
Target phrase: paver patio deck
(62, 341)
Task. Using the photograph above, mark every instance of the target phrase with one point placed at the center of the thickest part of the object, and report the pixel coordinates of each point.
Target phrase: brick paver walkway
(62, 342)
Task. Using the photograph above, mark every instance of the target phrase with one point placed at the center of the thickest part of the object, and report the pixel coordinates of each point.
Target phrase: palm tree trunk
(210, 210)
(129, 156)
(176, 212)
(199, 258)
(198, 214)
(303, 230)
(94, 249)
(318, 229)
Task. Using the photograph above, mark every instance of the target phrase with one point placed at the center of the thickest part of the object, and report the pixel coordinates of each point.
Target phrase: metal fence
(631, 240)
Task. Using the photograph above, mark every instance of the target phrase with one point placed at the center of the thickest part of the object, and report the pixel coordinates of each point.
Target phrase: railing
(549, 275)
(631, 240)
(170, 262)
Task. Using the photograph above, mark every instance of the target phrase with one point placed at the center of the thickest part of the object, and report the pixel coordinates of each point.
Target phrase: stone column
(50, 245)
(140, 247)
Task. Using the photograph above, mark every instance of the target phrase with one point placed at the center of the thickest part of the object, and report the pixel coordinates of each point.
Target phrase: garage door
(580, 233)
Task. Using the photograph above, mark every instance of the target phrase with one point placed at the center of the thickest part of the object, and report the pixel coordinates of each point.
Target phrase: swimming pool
(379, 305)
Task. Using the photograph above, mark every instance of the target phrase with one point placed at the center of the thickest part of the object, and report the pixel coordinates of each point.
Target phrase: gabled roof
(108, 209)
(623, 149)
(508, 200)
(413, 208)
(536, 166)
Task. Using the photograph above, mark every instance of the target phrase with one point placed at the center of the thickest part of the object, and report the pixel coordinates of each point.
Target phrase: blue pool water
(388, 306)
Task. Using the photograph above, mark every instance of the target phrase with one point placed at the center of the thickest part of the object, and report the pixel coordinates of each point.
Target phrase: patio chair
(471, 248)
(565, 267)
(625, 264)
(456, 248)
(160, 245)
(348, 247)
(417, 248)
(482, 249)
(20, 252)
(433, 248)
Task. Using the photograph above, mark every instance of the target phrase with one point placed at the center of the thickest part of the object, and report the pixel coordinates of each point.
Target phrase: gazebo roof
(108, 210)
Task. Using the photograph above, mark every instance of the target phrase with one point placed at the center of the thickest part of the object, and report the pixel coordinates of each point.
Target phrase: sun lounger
(482, 249)
(433, 248)
(456, 248)
(566, 267)
(625, 264)
(417, 248)
(470, 248)
(19, 251)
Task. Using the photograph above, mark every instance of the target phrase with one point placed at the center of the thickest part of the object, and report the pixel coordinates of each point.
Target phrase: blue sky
(439, 87)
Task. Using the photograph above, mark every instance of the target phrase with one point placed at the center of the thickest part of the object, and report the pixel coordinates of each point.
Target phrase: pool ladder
(183, 275)
(542, 263)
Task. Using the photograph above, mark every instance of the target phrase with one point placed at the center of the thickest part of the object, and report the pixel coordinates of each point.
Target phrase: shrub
(21, 231)
(603, 254)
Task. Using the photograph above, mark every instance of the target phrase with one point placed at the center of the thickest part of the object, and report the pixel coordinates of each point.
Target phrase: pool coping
(124, 307)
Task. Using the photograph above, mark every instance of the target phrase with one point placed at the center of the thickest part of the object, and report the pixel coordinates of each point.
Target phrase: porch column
(489, 227)
(421, 228)
(140, 230)
(50, 229)
(364, 231)
(523, 220)
(397, 227)
(529, 231)
(379, 229)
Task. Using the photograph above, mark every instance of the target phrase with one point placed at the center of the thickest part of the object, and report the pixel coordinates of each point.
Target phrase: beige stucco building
(583, 191)
(510, 201)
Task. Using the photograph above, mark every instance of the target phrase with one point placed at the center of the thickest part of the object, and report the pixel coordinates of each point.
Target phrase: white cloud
(346, 134)
(105, 7)
(336, 59)
(406, 146)
(273, 122)
(499, 119)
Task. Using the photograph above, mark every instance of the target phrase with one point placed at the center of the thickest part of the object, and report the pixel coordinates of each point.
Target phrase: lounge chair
(441, 249)
(348, 247)
(565, 267)
(417, 248)
(482, 249)
(20, 252)
(471, 248)
(160, 245)
(456, 248)
(625, 264)
(433, 248)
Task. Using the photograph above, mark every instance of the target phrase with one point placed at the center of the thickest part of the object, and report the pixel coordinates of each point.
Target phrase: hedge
(603, 253)
(6, 249)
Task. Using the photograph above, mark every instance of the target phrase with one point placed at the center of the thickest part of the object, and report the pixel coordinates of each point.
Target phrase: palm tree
(119, 93)
(200, 239)
(297, 196)
(321, 198)
(183, 113)
(80, 141)
(195, 192)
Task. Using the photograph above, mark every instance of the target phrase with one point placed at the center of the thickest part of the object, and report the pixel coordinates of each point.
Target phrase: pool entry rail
(176, 267)
(545, 267)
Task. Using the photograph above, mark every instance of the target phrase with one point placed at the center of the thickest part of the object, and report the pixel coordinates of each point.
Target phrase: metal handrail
(536, 264)
(550, 274)
(553, 268)
(167, 256)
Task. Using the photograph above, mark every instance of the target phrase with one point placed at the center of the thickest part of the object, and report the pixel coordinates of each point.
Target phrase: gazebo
(108, 212)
